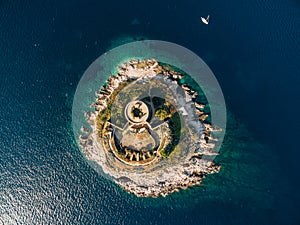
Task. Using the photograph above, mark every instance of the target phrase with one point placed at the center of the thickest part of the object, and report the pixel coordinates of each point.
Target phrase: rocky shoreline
(153, 181)
(182, 179)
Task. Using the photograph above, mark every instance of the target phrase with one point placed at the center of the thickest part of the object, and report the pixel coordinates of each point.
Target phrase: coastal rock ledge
(150, 130)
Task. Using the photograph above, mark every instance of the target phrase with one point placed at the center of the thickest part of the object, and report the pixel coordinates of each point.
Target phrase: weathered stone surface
(183, 168)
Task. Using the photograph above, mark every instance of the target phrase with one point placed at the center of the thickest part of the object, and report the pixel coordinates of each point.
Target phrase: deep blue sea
(253, 48)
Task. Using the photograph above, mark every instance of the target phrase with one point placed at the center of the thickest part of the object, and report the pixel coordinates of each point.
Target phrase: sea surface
(252, 47)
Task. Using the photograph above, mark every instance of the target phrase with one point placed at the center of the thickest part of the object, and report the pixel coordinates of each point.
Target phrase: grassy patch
(175, 128)
(105, 114)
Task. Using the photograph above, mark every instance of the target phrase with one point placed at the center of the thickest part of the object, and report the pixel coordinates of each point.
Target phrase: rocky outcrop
(187, 172)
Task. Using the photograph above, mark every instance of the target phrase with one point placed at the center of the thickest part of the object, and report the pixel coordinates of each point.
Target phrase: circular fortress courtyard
(137, 143)
(136, 112)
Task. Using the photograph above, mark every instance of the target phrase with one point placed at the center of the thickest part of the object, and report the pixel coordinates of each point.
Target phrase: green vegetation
(164, 154)
(175, 127)
(166, 111)
(163, 109)
(162, 114)
(105, 114)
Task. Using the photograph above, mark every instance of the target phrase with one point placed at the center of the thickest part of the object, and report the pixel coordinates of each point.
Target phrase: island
(149, 129)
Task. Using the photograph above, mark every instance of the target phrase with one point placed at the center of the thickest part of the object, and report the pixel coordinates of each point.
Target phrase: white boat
(205, 20)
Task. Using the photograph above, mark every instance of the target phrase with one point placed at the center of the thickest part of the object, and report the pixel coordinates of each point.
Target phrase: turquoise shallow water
(45, 48)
